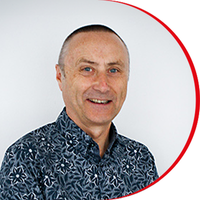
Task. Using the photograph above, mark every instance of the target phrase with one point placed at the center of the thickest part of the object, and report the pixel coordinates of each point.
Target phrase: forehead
(96, 42)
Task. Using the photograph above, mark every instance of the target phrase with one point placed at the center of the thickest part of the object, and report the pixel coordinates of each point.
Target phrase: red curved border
(196, 84)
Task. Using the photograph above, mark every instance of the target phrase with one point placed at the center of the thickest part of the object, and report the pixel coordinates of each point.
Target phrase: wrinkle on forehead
(96, 49)
(99, 40)
(94, 63)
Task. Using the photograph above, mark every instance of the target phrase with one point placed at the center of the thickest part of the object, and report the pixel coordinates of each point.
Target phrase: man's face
(96, 74)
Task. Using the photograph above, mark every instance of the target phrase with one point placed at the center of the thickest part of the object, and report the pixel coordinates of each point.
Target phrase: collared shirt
(59, 161)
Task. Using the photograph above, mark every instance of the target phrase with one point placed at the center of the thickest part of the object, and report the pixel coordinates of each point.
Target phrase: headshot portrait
(96, 105)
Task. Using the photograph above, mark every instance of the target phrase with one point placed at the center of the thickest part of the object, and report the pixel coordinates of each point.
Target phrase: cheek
(121, 90)
(75, 88)
(68, 90)
(125, 90)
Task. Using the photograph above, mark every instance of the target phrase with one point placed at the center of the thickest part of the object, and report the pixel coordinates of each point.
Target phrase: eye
(113, 70)
(87, 69)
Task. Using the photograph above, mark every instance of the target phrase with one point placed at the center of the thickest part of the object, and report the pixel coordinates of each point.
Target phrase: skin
(95, 69)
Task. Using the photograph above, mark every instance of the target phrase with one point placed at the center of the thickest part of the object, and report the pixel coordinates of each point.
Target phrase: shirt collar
(81, 140)
(112, 136)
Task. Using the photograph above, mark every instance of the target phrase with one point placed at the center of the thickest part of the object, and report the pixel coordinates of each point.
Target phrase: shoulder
(28, 147)
(36, 136)
(127, 142)
(133, 148)
(22, 164)
(138, 156)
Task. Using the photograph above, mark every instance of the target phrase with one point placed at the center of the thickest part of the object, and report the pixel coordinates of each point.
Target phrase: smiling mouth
(98, 101)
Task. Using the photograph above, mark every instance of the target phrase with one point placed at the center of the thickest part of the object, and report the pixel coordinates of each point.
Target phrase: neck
(101, 136)
(98, 132)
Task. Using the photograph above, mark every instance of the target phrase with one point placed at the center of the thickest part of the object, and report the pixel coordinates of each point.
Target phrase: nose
(101, 83)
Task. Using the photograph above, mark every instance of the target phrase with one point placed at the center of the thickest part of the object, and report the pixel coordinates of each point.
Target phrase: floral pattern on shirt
(59, 161)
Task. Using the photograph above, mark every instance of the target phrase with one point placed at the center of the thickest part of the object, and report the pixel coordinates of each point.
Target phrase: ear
(59, 76)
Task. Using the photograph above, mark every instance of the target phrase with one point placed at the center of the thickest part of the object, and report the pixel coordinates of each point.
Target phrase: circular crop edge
(196, 84)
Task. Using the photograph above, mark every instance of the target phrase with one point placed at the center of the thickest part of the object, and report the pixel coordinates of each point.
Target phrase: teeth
(99, 101)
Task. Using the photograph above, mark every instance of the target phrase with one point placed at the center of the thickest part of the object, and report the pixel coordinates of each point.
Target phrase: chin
(100, 120)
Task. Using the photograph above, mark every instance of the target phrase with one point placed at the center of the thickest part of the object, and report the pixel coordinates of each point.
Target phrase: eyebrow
(84, 60)
(120, 63)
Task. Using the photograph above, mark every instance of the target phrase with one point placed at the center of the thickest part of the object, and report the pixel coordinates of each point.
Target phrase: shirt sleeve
(19, 176)
(148, 157)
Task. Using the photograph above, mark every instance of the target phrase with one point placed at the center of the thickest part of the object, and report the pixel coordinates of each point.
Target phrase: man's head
(89, 28)
(92, 74)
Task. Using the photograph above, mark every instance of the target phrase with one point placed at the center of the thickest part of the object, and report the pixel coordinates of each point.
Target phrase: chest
(78, 177)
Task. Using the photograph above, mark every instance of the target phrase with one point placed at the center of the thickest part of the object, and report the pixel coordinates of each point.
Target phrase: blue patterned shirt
(59, 161)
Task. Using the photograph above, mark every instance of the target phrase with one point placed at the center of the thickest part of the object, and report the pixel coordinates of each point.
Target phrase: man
(81, 155)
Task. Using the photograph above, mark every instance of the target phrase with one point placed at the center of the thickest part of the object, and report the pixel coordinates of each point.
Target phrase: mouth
(98, 101)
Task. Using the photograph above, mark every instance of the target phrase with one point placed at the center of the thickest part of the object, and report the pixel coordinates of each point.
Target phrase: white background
(183, 18)
(30, 96)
